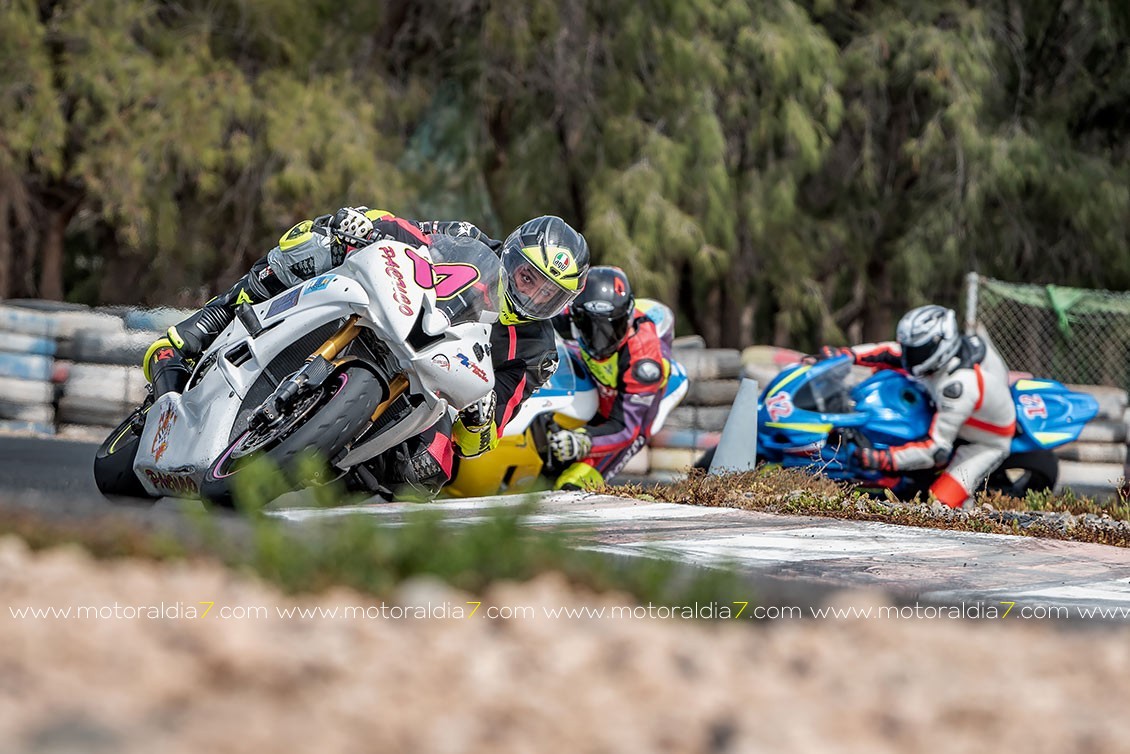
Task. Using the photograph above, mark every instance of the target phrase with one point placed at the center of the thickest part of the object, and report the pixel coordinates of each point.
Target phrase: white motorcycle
(347, 365)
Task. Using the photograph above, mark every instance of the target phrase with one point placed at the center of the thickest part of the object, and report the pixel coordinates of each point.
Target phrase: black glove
(877, 460)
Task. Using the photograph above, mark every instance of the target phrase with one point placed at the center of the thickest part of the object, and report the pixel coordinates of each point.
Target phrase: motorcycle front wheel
(321, 424)
(113, 461)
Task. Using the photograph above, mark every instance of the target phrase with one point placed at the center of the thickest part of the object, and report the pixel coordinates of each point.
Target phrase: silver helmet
(929, 339)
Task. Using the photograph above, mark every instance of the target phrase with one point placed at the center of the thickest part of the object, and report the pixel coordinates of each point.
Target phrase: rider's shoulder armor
(460, 228)
(645, 369)
(972, 351)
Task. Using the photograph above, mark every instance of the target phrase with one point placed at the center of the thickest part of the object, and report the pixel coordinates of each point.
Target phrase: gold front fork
(338, 341)
(395, 389)
(343, 337)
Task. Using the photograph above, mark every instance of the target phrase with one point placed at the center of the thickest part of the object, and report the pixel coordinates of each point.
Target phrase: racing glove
(569, 444)
(831, 352)
(877, 460)
(352, 220)
(475, 432)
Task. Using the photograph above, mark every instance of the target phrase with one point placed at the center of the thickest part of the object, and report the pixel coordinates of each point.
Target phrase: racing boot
(416, 470)
(170, 360)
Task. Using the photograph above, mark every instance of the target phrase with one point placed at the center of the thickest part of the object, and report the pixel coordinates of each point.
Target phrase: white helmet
(929, 339)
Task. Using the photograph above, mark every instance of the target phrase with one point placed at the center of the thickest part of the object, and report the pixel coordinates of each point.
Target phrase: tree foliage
(790, 171)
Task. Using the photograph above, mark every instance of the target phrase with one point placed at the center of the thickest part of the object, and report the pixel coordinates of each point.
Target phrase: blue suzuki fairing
(808, 417)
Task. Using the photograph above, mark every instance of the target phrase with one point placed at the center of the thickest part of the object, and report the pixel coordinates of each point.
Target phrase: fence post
(972, 281)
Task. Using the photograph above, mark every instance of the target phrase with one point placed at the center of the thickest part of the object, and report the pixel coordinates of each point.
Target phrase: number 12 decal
(448, 279)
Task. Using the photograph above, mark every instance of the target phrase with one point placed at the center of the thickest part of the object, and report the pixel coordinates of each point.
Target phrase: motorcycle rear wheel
(1022, 473)
(344, 409)
(113, 461)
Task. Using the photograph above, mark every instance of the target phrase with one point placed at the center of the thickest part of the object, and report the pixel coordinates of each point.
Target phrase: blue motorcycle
(808, 417)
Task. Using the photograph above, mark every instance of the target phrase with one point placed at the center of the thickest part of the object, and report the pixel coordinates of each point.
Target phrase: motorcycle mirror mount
(435, 322)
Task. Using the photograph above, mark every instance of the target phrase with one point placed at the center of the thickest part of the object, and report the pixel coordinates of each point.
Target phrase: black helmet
(546, 264)
(603, 312)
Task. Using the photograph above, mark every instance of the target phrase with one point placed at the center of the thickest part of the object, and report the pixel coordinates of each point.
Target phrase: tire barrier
(673, 459)
(100, 347)
(712, 392)
(1103, 442)
(701, 418)
(26, 322)
(709, 363)
(100, 394)
(694, 426)
(64, 363)
(27, 370)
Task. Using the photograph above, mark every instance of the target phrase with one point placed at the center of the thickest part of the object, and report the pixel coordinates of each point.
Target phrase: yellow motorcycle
(568, 400)
(522, 462)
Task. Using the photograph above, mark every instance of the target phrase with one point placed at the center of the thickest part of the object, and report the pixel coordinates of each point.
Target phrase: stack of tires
(27, 370)
(1103, 440)
(1097, 461)
(694, 426)
(102, 357)
(63, 365)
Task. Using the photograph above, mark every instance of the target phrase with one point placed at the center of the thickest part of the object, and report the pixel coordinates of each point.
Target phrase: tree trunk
(51, 259)
(5, 246)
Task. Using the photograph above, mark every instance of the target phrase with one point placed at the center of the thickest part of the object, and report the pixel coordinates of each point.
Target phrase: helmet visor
(600, 335)
(913, 357)
(533, 293)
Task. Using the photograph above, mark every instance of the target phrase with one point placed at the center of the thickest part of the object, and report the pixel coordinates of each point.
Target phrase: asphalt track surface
(56, 468)
(798, 558)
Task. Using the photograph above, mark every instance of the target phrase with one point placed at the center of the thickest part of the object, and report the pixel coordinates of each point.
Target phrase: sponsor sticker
(392, 269)
(320, 283)
(283, 302)
(475, 368)
(1033, 406)
(779, 406)
(176, 484)
(165, 423)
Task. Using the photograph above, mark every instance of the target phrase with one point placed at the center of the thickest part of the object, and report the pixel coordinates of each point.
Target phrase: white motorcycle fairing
(390, 288)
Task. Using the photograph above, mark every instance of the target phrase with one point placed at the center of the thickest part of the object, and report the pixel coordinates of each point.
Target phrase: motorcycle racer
(546, 262)
(626, 345)
(975, 418)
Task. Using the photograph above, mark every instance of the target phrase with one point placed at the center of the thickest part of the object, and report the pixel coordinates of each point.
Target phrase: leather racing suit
(632, 386)
(973, 405)
(524, 355)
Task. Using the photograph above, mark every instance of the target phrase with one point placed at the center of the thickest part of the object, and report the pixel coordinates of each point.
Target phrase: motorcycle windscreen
(827, 390)
(467, 278)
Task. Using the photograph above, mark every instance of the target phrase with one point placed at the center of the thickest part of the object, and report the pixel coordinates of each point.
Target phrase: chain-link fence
(1068, 334)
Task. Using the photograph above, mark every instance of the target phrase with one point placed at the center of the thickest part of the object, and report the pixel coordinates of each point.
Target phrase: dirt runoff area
(147, 670)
